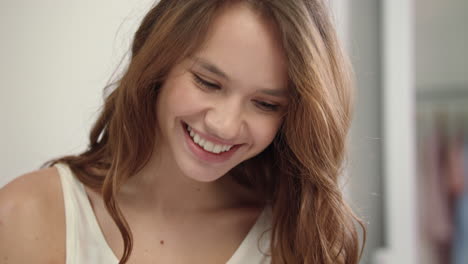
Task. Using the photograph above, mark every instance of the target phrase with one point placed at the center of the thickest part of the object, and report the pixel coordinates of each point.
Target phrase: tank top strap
(255, 248)
(85, 242)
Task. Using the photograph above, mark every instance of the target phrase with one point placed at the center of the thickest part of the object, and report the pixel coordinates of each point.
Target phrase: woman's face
(224, 104)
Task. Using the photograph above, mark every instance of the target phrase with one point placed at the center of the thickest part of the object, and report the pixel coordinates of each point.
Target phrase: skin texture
(233, 110)
(177, 197)
(32, 219)
(244, 47)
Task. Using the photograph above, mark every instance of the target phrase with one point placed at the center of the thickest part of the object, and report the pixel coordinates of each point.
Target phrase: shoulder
(32, 218)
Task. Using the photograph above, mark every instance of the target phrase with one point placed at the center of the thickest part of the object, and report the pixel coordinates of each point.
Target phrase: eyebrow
(274, 92)
(210, 67)
(217, 71)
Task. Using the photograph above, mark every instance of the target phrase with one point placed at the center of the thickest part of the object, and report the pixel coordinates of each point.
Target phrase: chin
(204, 176)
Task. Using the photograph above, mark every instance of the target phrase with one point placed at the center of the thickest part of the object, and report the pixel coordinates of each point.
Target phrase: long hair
(298, 173)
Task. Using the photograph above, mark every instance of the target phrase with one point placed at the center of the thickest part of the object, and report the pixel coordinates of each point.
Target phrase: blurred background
(408, 161)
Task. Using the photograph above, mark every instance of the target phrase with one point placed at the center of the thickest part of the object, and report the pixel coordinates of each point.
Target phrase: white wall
(399, 125)
(56, 57)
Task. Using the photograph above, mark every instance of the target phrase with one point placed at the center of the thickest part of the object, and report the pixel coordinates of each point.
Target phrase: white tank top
(85, 242)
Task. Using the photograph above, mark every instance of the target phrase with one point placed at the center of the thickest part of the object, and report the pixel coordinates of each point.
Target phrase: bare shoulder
(32, 219)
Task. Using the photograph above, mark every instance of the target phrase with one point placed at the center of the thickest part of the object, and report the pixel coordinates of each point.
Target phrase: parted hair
(298, 174)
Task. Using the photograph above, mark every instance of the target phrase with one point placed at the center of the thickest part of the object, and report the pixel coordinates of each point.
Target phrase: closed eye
(262, 105)
(267, 106)
(204, 83)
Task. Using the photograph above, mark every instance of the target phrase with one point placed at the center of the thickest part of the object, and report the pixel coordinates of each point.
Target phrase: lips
(205, 149)
(206, 144)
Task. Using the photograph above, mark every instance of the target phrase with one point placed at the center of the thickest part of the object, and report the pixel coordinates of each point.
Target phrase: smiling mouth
(207, 145)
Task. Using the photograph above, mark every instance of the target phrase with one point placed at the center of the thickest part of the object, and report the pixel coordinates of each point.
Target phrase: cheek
(264, 132)
(181, 97)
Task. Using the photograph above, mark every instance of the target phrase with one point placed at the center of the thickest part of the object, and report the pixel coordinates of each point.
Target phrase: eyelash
(205, 84)
(211, 86)
(267, 107)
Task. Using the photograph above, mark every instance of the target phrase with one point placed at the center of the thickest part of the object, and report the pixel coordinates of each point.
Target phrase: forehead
(246, 47)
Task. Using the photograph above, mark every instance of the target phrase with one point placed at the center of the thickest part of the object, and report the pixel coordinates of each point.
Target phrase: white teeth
(217, 149)
(207, 145)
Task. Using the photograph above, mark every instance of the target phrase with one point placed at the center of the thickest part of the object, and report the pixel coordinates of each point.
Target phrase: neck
(161, 187)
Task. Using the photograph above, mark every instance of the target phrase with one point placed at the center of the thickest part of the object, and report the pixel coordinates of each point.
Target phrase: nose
(224, 120)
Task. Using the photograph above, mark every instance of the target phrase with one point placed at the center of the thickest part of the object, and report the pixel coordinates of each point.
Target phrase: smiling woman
(222, 143)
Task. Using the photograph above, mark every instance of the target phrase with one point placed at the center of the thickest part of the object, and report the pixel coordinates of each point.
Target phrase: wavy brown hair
(298, 173)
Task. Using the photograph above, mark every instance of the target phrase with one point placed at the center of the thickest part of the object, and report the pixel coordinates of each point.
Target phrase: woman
(222, 143)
